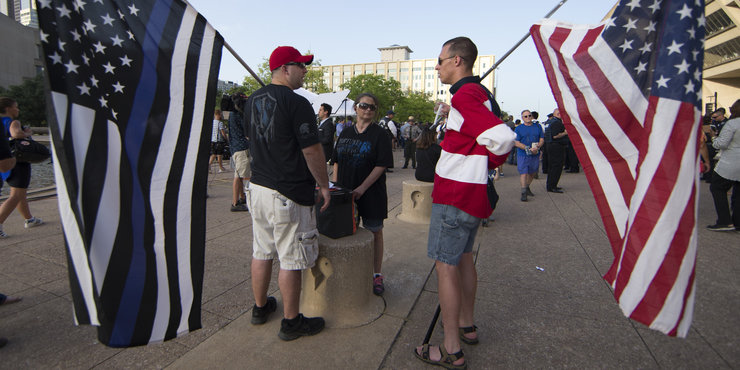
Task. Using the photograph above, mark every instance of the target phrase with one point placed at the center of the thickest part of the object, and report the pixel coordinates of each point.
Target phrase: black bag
(28, 150)
(340, 219)
(492, 194)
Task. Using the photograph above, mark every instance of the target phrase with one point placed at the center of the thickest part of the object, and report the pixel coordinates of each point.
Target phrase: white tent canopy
(346, 108)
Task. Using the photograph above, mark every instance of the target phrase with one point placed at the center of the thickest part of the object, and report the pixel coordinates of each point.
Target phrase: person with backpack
(20, 176)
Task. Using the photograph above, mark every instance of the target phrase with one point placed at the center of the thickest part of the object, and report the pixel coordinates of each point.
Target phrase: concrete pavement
(562, 317)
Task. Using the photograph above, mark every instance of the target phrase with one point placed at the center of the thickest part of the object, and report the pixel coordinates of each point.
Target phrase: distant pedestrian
(427, 155)
(529, 140)
(218, 142)
(19, 177)
(726, 174)
(7, 162)
(410, 136)
(555, 144)
(326, 130)
(239, 147)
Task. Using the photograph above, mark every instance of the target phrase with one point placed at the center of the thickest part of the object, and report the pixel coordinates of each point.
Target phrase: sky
(341, 32)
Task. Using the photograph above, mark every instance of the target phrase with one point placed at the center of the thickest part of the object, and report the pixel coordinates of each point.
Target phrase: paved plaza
(562, 315)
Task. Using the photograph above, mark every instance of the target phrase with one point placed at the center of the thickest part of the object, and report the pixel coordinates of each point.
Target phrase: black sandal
(447, 360)
(468, 330)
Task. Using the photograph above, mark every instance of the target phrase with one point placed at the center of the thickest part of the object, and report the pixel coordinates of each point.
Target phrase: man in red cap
(287, 163)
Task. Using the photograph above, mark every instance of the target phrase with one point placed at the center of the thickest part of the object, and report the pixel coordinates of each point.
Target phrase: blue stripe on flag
(128, 310)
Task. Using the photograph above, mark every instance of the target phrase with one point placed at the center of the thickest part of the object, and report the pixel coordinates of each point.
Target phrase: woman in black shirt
(360, 158)
(427, 155)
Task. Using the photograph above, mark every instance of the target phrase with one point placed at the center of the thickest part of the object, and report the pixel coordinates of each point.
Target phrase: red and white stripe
(640, 158)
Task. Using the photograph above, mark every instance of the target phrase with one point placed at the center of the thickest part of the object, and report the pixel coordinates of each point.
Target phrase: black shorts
(20, 175)
(217, 147)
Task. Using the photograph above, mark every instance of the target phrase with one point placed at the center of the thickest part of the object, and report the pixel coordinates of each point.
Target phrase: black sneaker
(260, 314)
(524, 197)
(303, 326)
(529, 192)
(239, 208)
(717, 227)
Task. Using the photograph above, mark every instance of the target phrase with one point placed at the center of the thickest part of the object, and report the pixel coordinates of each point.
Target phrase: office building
(25, 60)
(721, 86)
(22, 11)
(416, 75)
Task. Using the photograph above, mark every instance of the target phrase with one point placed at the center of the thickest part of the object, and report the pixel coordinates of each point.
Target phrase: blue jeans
(451, 233)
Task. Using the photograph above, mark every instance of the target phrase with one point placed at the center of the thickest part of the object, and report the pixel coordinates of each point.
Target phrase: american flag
(629, 92)
(133, 84)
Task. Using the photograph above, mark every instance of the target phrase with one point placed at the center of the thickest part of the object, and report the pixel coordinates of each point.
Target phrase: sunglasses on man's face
(440, 60)
(527, 116)
(366, 106)
(300, 65)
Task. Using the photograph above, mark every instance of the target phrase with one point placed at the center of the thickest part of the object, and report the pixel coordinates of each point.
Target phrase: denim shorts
(527, 164)
(372, 224)
(451, 233)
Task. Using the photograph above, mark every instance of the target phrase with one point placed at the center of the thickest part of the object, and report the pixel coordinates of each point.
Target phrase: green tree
(417, 104)
(314, 80)
(388, 91)
(31, 100)
(250, 84)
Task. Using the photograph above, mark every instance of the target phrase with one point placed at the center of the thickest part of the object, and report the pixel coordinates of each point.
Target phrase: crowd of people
(283, 158)
(292, 153)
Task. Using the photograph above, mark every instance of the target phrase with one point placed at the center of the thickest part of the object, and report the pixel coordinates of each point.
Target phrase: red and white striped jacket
(475, 141)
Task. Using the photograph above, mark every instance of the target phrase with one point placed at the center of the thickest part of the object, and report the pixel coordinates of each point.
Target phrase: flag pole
(228, 47)
(520, 42)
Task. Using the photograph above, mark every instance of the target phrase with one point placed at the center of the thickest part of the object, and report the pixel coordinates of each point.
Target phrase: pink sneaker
(378, 287)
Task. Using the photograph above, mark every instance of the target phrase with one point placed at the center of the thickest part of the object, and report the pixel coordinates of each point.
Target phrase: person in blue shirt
(529, 139)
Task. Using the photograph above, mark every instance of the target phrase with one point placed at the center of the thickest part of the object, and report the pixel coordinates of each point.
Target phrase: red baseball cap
(287, 54)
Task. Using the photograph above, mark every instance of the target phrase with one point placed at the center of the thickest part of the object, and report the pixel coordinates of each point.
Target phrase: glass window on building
(718, 22)
(723, 53)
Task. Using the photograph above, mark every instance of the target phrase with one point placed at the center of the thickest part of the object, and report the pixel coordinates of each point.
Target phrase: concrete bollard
(340, 285)
(417, 202)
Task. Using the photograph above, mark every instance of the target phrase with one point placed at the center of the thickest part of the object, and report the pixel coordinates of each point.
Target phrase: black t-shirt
(556, 127)
(357, 154)
(426, 162)
(280, 124)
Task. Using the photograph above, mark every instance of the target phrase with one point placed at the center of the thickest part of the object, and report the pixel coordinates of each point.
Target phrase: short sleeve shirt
(356, 155)
(280, 123)
(528, 135)
(557, 127)
(216, 133)
(237, 140)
